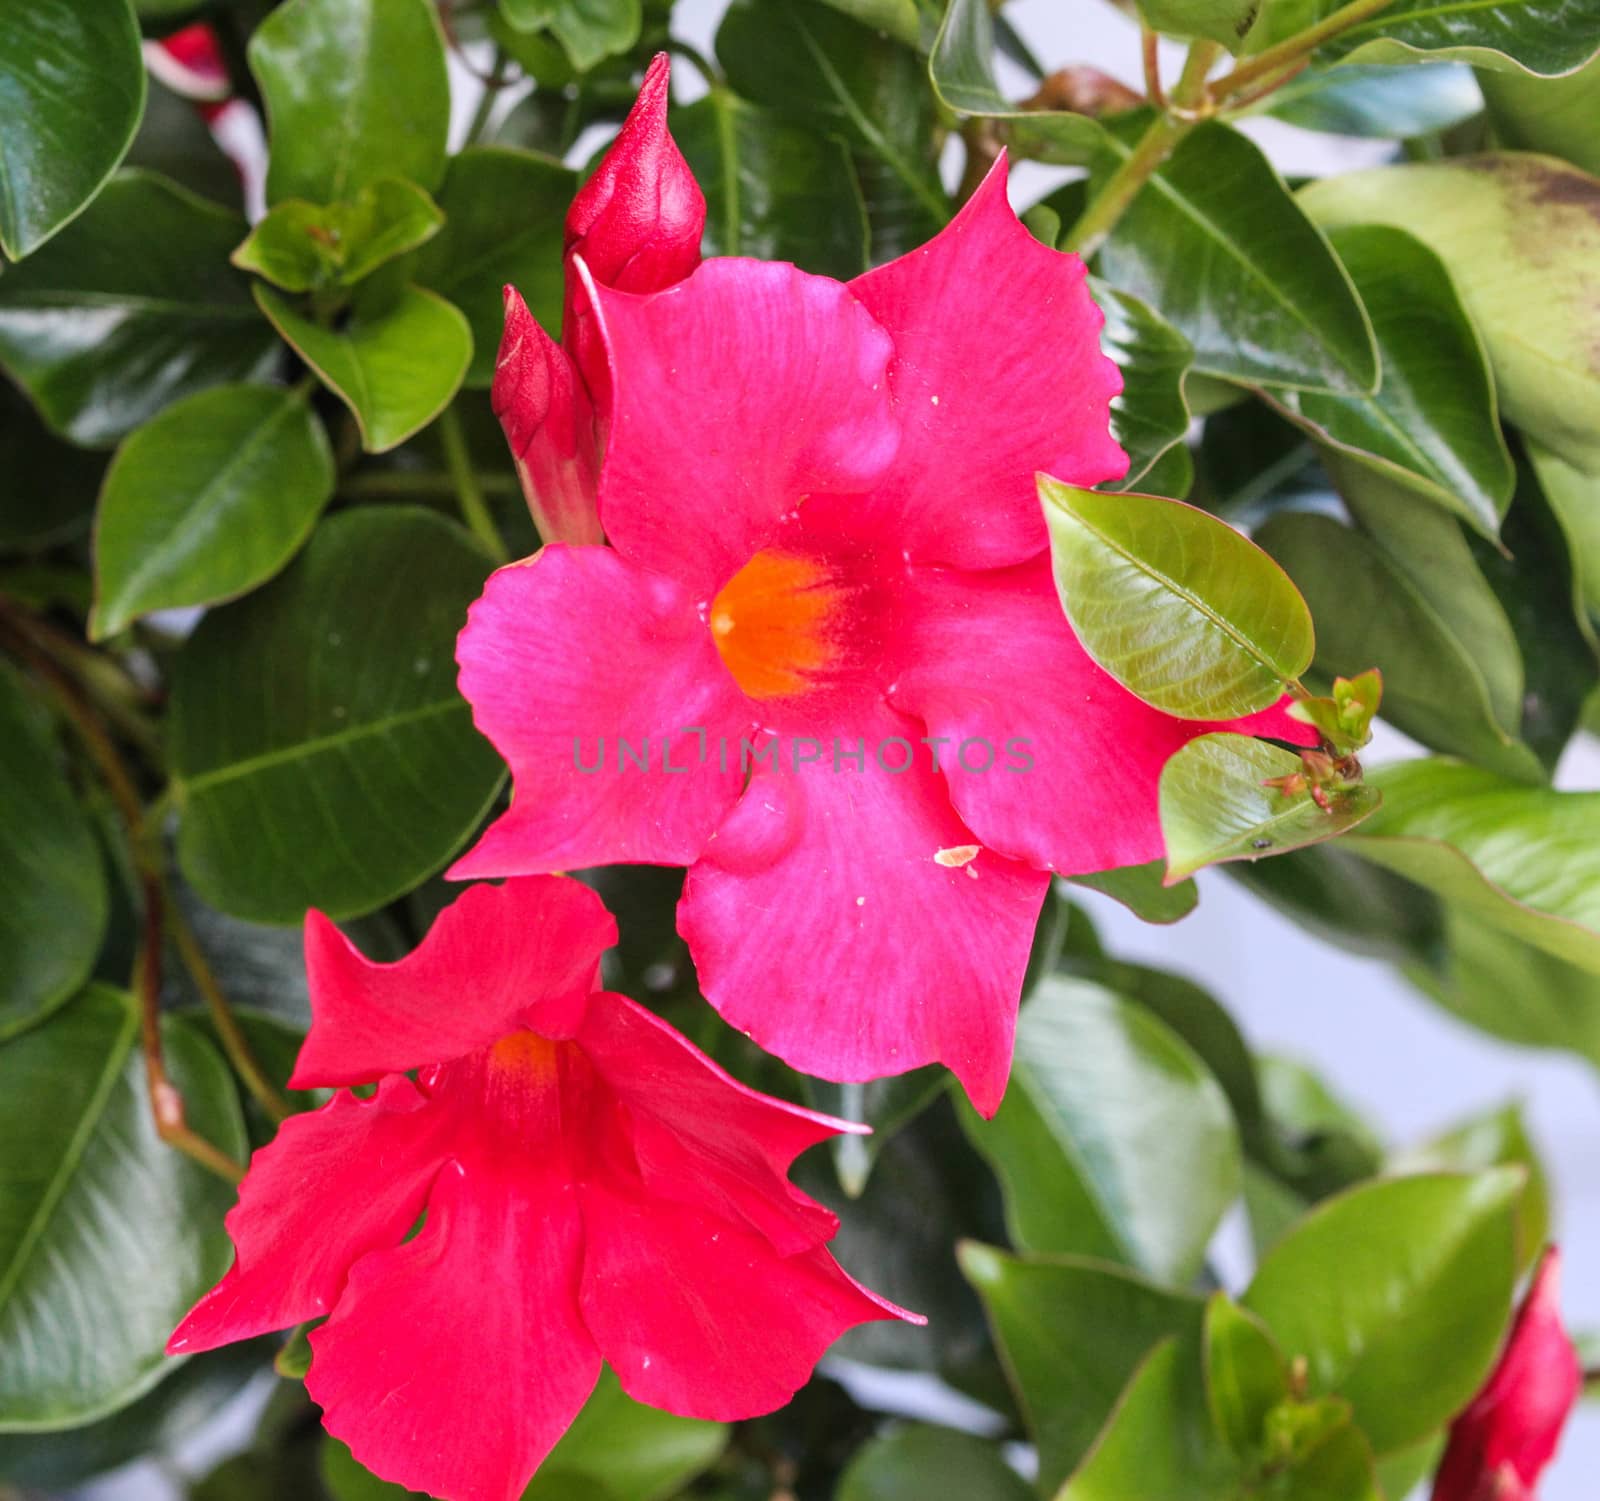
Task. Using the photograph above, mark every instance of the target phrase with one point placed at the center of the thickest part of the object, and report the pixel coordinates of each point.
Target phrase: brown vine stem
(1153, 91)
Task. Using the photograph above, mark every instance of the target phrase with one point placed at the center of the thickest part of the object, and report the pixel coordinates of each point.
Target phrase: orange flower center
(772, 623)
(525, 1057)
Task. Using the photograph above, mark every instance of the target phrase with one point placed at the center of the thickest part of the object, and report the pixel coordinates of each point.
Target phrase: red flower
(591, 1186)
(636, 224)
(827, 550)
(1502, 1442)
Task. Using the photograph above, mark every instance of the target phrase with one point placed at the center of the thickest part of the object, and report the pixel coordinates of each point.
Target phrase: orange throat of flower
(773, 624)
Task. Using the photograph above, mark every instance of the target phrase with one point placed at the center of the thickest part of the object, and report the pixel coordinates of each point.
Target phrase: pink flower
(636, 224)
(189, 62)
(827, 552)
(1502, 1442)
(590, 1185)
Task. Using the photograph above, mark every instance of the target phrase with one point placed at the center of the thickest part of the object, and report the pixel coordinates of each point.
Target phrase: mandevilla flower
(1501, 1443)
(822, 662)
(590, 1185)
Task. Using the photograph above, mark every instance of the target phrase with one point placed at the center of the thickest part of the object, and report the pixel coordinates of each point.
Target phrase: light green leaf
(1574, 498)
(133, 306)
(53, 901)
(504, 215)
(302, 246)
(1246, 1375)
(1216, 807)
(1150, 415)
(1113, 1139)
(1215, 241)
(1142, 891)
(1547, 37)
(1354, 99)
(1177, 606)
(1397, 1294)
(208, 500)
(1072, 1333)
(107, 1235)
(73, 81)
(1519, 235)
(395, 365)
(320, 752)
(1432, 427)
(589, 30)
(900, 18)
(1554, 115)
(922, 1463)
(1225, 21)
(356, 90)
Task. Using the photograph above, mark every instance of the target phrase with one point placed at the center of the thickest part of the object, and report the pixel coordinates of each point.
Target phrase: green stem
(491, 92)
(469, 493)
(1292, 49)
(382, 484)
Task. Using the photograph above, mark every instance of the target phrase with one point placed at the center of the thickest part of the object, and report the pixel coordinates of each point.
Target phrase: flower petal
(453, 1363)
(496, 958)
(563, 658)
(738, 393)
(702, 1138)
(829, 924)
(997, 374)
(332, 1186)
(989, 657)
(705, 1320)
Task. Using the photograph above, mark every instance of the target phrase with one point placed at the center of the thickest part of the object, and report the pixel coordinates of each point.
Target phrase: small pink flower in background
(592, 1188)
(824, 530)
(1501, 1443)
(189, 62)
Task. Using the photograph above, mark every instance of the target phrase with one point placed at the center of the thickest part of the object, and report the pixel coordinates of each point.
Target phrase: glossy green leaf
(1353, 99)
(1177, 606)
(208, 500)
(1225, 21)
(1216, 242)
(1451, 666)
(1246, 1375)
(962, 71)
(922, 1463)
(1519, 235)
(1338, 1467)
(824, 71)
(883, 1104)
(1142, 891)
(588, 30)
(1522, 859)
(321, 754)
(73, 81)
(1216, 806)
(132, 306)
(899, 18)
(1554, 115)
(1150, 415)
(1317, 1143)
(773, 190)
(504, 215)
(302, 246)
(1113, 1139)
(50, 487)
(107, 1235)
(53, 906)
(356, 90)
(1072, 1333)
(1397, 1295)
(1574, 498)
(395, 365)
(1432, 426)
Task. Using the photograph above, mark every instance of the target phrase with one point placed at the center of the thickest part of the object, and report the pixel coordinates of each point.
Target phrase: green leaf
(1216, 807)
(900, 18)
(1353, 99)
(395, 366)
(51, 486)
(208, 500)
(1447, 677)
(1150, 416)
(54, 904)
(1314, 1142)
(320, 752)
(1177, 606)
(1518, 235)
(1553, 115)
(1142, 891)
(1397, 1295)
(133, 306)
(1574, 498)
(1113, 1139)
(773, 190)
(1337, 1468)
(589, 30)
(823, 71)
(302, 246)
(962, 72)
(884, 1104)
(107, 1235)
(1246, 1376)
(1072, 1333)
(73, 81)
(922, 1463)
(504, 215)
(1522, 859)
(1225, 21)
(356, 90)
(1216, 242)
(1432, 427)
